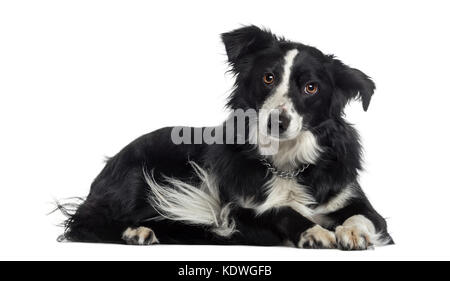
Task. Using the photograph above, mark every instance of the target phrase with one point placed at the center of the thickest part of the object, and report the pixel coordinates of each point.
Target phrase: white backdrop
(81, 79)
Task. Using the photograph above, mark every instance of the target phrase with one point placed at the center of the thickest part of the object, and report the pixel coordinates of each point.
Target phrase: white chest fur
(286, 193)
(289, 193)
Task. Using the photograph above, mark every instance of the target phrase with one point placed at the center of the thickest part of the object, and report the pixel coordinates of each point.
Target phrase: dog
(285, 174)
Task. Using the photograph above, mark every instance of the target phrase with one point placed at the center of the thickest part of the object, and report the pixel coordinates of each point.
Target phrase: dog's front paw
(139, 236)
(356, 233)
(352, 238)
(317, 237)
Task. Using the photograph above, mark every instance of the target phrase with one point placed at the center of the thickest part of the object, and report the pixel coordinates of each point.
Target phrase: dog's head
(296, 82)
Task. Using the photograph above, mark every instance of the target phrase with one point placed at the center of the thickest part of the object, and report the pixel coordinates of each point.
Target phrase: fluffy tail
(197, 205)
(68, 209)
(89, 221)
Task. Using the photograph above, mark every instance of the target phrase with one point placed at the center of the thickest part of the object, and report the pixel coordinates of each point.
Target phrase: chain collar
(292, 174)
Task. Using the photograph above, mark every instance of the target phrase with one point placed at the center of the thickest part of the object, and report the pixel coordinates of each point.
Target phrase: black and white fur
(155, 191)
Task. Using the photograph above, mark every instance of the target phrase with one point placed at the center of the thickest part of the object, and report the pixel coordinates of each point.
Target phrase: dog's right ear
(244, 41)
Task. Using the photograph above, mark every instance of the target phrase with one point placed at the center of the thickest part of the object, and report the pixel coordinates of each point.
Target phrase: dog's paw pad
(317, 237)
(139, 236)
(352, 238)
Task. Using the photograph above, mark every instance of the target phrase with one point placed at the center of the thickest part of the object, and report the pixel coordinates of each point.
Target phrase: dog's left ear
(245, 41)
(352, 83)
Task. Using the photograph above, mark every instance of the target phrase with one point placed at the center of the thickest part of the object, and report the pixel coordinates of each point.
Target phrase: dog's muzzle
(278, 123)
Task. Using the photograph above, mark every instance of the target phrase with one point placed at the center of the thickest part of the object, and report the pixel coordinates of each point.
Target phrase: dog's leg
(302, 232)
(287, 227)
(359, 226)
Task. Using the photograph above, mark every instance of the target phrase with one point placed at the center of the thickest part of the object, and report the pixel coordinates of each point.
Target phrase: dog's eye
(268, 78)
(311, 88)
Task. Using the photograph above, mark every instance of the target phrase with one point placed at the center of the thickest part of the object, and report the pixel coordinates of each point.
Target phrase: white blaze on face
(279, 100)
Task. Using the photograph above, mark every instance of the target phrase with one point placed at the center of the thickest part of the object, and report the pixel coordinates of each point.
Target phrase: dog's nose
(282, 118)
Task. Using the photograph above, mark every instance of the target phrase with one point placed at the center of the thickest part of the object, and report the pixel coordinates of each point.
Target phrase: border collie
(281, 170)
